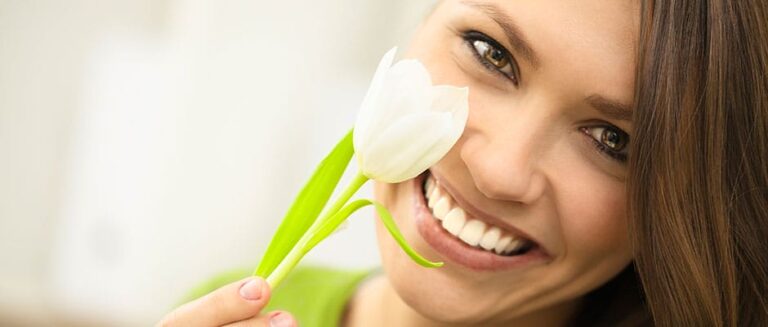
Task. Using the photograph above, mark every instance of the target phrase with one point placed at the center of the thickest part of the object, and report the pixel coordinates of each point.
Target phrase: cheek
(448, 61)
(397, 199)
(594, 219)
(416, 286)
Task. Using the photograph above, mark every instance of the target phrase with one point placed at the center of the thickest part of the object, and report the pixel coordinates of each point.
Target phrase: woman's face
(539, 173)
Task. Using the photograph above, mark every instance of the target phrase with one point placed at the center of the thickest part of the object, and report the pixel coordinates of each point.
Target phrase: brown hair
(698, 185)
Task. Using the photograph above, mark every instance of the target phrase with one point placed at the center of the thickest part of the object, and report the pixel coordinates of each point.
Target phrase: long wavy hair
(698, 186)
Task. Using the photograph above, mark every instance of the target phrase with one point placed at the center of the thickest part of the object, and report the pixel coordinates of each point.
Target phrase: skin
(237, 304)
(527, 156)
(524, 157)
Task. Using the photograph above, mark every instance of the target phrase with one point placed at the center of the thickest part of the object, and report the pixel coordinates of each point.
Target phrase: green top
(314, 295)
(317, 296)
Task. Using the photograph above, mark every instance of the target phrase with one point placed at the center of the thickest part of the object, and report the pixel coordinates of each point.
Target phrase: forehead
(586, 43)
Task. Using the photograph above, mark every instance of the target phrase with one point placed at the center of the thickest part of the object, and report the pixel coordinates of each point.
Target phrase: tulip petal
(408, 147)
(381, 73)
(406, 88)
(426, 158)
(447, 98)
(366, 115)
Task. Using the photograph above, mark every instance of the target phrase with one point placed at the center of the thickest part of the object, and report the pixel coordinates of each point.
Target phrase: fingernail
(251, 290)
(281, 320)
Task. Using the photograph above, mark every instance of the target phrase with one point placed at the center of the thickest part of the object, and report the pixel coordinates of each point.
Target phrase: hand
(234, 305)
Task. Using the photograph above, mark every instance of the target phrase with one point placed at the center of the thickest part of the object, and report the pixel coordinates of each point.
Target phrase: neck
(377, 304)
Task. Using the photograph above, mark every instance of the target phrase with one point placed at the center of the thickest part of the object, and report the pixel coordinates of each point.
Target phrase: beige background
(147, 144)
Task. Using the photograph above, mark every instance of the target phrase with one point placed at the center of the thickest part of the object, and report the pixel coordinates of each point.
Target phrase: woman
(544, 211)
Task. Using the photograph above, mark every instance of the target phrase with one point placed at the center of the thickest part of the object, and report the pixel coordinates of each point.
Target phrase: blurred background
(146, 145)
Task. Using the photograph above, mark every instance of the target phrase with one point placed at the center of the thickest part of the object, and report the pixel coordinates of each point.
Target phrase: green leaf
(307, 205)
(328, 226)
(295, 254)
(389, 223)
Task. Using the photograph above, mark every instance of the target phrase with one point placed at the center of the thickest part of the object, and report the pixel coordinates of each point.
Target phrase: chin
(440, 303)
(438, 294)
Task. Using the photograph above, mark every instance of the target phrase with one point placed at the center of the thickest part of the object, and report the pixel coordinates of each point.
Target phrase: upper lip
(476, 213)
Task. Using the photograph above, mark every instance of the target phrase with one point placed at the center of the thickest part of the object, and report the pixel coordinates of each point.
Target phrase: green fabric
(215, 282)
(314, 295)
(317, 296)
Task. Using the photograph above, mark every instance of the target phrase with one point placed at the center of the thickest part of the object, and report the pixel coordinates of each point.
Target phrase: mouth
(468, 240)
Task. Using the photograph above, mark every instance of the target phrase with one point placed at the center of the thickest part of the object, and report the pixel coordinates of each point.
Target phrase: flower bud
(405, 124)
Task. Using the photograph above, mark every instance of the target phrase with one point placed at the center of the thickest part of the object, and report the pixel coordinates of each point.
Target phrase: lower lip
(459, 252)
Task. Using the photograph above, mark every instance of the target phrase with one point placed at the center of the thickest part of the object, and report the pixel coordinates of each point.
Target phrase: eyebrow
(611, 109)
(515, 37)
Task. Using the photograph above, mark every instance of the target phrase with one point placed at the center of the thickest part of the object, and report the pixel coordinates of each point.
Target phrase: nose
(504, 156)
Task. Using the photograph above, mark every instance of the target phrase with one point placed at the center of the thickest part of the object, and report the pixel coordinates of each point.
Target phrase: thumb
(233, 302)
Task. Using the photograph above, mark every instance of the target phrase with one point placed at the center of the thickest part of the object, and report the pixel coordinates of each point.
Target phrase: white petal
(455, 100)
(406, 89)
(438, 149)
(408, 147)
(382, 69)
(366, 114)
(408, 80)
(423, 139)
(447, 98)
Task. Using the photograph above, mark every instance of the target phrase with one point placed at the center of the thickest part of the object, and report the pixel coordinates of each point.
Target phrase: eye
(492, 55)
(609, 140)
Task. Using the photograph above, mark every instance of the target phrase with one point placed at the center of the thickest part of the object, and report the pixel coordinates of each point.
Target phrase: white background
(148, 144)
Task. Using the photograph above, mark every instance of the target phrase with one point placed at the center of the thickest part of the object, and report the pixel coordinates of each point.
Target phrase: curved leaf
(329, 226)
(307, 205)
(389, 223)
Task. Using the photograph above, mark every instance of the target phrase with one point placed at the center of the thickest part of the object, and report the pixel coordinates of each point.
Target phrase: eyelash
(473, 36)
(619, 156)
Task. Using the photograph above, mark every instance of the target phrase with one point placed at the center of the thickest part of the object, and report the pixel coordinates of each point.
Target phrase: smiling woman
(611, 173)
(539, 174)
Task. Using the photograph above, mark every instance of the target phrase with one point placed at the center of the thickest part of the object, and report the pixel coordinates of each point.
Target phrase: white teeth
(433, 197)
(430, 184)
(454, 221)
(472, 232)
(513, 245)
(442, 207)
(501, 245)
(490, 238)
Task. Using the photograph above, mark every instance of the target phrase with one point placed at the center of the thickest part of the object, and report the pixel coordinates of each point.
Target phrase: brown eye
(613, 139)
(493, 55)
(609, 140)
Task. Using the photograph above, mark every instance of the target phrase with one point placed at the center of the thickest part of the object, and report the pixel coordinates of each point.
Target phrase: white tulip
(405, 124)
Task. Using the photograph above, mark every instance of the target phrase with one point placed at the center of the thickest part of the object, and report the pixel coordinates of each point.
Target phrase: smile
(467, 240)
(472, 232)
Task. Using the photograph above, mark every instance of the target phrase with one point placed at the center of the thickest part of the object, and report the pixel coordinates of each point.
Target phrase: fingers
(230, 303)
(273, 319)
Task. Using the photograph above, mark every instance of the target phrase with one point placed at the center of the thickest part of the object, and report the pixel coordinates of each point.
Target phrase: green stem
(298, 251)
